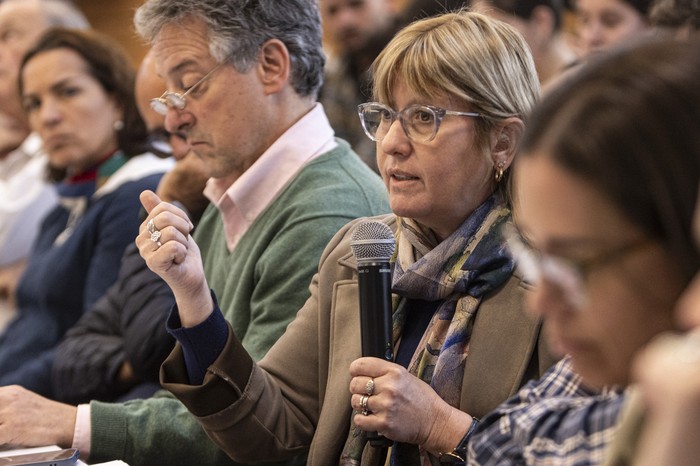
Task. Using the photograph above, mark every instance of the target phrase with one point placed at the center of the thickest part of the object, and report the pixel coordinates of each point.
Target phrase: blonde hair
(466, 56)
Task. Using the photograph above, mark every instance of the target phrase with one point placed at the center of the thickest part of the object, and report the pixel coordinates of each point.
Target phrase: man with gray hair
(24, 195)
(243, 76)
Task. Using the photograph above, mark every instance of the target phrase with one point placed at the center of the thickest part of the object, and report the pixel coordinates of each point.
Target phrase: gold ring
(363, 404)
(369, 388)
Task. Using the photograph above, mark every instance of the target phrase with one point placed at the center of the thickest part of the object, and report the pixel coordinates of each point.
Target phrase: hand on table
(30, 420)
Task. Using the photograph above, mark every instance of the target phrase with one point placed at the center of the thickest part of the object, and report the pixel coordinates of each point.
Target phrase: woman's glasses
(569, 275)
(419, 122)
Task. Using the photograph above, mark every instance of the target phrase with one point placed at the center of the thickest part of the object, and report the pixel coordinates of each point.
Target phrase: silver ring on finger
(151, 226)
(364, 405)
(155, 237)
(369, 388)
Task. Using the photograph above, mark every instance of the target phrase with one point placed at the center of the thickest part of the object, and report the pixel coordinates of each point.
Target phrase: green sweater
(260, 287)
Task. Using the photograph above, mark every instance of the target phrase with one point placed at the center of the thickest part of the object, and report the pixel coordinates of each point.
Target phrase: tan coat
(298, 396)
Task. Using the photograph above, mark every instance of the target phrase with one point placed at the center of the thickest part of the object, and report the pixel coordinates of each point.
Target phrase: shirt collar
(255, 189)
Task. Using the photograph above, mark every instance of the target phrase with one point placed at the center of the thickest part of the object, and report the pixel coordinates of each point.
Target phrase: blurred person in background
(659, 423)
(418, 9)
(25, 193)
(681, 17)
(604, 238)
(540, 23)
(663, 415)
(601, 24)
(77, 91)
(358, 30)
(115, 350)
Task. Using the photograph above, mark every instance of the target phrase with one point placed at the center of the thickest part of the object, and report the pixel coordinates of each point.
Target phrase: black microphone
(373, 244)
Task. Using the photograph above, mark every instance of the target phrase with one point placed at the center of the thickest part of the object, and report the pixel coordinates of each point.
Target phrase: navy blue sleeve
(201, 344)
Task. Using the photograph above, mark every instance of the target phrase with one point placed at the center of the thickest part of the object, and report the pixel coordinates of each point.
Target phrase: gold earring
(499, 171)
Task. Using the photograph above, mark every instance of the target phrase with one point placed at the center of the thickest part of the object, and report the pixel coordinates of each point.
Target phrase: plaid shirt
(551, 421)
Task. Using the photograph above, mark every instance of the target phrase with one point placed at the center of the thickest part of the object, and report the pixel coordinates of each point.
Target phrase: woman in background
(606, 183)
(77, 89)
(540, 22)
(602, 24)
(660, 424)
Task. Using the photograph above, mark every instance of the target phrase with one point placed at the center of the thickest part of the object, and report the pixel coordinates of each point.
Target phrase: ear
(273, 66)
(505, 140)
(119, 112)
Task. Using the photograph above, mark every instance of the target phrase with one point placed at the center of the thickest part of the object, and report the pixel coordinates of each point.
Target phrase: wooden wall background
(115, 18)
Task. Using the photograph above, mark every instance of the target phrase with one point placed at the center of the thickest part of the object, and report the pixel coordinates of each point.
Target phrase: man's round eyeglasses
(176, 100)
(420, 122)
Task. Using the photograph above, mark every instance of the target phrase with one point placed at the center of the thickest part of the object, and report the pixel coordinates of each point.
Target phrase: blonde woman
(451, 94)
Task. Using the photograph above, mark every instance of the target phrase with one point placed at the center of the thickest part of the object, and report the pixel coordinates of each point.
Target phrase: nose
(592, 35)
(49, 112)
(548, 299)
(345, 18)
(395, 141)
(179, 146)
(178, 121)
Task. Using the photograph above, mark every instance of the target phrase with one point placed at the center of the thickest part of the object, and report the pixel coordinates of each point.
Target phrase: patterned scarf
(457, 272)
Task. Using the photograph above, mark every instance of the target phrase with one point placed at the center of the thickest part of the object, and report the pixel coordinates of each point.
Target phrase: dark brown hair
(109, 64)
(627, 124)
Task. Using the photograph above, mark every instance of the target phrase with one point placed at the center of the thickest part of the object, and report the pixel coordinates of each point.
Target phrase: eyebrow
(563, 245)
(57, 85)
(181, 66)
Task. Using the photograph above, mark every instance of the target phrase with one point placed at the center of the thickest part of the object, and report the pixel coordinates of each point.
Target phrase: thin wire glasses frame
(420, 122)
(175, 100)
(570, 275)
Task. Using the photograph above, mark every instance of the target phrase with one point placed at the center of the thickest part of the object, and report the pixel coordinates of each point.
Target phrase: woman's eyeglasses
(420, 122)
(570, 275)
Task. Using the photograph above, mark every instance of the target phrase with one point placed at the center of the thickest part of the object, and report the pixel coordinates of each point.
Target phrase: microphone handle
(376, 321)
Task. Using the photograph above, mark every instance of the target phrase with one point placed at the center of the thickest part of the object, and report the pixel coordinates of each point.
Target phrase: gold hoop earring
(499, 171)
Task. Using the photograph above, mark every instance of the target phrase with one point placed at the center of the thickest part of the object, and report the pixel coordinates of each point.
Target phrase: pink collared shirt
(244, 200)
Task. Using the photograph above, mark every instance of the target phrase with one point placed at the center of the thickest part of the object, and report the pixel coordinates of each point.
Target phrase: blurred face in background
(605, 23)
(149, 85)
(485, 7)
(603, 287)
(352, 24)
(21, 24)
(69, 109)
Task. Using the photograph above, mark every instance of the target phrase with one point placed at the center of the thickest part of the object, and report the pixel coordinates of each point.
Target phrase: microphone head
(372, 241)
